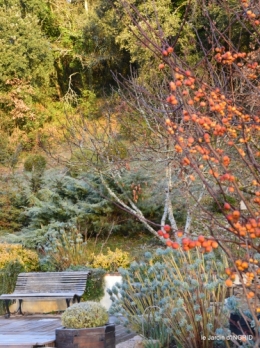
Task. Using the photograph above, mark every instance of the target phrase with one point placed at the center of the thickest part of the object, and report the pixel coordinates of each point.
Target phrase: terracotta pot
(96, 337)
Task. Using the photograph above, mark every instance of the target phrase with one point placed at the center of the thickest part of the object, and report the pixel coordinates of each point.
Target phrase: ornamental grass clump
(184, 291)
(68, 249)
(84, 315)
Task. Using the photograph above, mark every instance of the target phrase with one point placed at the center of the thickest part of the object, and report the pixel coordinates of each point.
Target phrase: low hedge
(95, 286)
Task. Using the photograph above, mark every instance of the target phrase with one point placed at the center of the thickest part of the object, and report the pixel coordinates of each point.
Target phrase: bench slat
(49, 285)
(58, 294)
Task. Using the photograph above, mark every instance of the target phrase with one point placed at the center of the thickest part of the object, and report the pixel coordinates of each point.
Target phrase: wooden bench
(47, 285)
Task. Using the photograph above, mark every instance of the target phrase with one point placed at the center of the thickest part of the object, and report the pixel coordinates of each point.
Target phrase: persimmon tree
(212, 114)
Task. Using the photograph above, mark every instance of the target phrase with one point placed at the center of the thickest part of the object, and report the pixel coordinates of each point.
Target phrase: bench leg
(78, 298)
(19, 311)
(68, 302)
(7, 309)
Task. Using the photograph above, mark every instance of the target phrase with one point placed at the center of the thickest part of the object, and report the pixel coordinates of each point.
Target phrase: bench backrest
(51, 282)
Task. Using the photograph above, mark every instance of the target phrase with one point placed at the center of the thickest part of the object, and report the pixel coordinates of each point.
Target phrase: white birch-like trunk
(134, 210)
(168, 211)
(188, 223)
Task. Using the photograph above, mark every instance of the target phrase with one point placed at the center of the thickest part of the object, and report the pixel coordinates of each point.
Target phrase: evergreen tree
(153, 18)
(26, 54)
(25, 68)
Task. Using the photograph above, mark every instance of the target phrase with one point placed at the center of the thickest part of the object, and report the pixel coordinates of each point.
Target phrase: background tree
(26, 66)
(165, 19)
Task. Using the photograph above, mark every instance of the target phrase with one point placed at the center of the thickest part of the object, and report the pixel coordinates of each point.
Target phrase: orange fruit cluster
(227, 58)
(249, 229)
(167, 51)
(205, 244)
(242, 266)
(250, 14)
